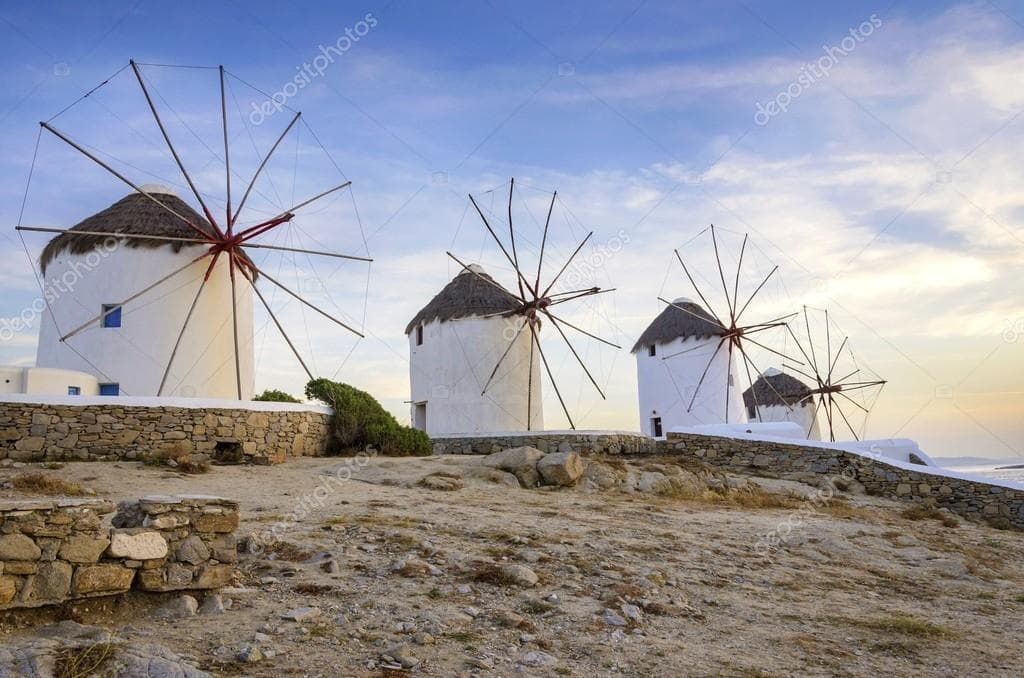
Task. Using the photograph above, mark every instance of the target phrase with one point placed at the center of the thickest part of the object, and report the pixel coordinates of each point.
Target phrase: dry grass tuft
(44, 483)
(83, 661)
(930, 512)
(751, 497)
(898, 623)
(285, 550)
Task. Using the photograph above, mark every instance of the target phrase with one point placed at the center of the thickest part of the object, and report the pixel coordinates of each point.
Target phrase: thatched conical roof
(134, 213)
(465, 296)
(777, 388)
(674, 323)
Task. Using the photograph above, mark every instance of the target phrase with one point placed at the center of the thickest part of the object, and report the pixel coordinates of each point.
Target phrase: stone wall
(584, 442)
(32, 431)
(56, 551)
(971, 499)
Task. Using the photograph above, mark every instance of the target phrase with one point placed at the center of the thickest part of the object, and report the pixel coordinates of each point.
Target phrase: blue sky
(888, 190)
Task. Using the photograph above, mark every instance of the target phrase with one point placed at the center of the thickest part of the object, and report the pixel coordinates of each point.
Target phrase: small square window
(110, 389)
(111, 315)
(652, 349)
(74, 390)
(419, 335)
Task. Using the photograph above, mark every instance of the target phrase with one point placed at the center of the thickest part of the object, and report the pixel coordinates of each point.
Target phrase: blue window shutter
(110, 389)
(74, 390)
(111, 315)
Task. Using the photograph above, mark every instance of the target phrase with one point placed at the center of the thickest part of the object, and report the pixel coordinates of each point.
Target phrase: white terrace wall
(112, 428)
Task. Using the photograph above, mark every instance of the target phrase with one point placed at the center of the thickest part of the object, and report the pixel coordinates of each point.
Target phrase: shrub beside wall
(359, 421)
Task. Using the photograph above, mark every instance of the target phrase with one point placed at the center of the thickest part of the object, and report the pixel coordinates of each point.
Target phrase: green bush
(274, 396)
(360, 421)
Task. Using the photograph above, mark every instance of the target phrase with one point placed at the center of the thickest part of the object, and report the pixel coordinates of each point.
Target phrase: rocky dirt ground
(465, 574)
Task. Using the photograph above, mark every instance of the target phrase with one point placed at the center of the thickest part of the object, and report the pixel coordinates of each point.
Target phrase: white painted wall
(45, 381)
(801, 415)
(665, 387)
(449, 370)
(136, 354)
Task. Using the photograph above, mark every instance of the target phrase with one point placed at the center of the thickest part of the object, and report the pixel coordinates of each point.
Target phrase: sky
(871, 151)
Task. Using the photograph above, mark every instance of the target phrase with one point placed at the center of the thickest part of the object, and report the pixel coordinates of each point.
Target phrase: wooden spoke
(503, 356)
(689, 312)
(580, 330)
(577, 356)
(551, 376)
(704, 374)
(277, 323)
(80, 149)
(721, 275)
(699, 293)
(117, 235)
(132, 297)
(306, 303)
(512, 237)
(754, 293)
(174, 152)
(302, 251)
(486, 280)
(227, 154)
(184, 325)
(544, 240)
(519, 274)
(263, 163)
(566, 265)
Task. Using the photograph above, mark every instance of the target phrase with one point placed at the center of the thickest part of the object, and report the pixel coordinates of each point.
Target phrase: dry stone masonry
(971, 499)
(51, 432)
(52, 551)
(583, 442)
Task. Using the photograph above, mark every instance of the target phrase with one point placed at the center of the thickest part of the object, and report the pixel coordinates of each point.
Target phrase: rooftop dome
(777, 388)
(134, 213)
(675, 323)
(466, 296)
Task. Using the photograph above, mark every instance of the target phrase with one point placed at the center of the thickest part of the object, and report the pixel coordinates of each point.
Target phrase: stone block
(51, 583)
(80, 548)
(104, 578)
(217, 522)
(213, 576)
(192, 550)
(18, 547)
(137, 544)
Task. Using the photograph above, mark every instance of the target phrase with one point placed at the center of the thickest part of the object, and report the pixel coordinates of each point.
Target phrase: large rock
(561, 468)
(107, 578)
(80, 548)
(137, 545)
(192, 550)
(519, 461)
(485, 476)
(18, 547)
(51, 583)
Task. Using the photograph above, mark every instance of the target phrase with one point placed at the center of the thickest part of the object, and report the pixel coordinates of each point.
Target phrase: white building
(129, 349)
(671, 355)
(776, 396)
(453, 350)
(46, 381)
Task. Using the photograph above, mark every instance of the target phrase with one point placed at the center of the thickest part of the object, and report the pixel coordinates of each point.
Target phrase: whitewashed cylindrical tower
(667, 383)
(129, 350)
(453, 349)
(777, 396)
